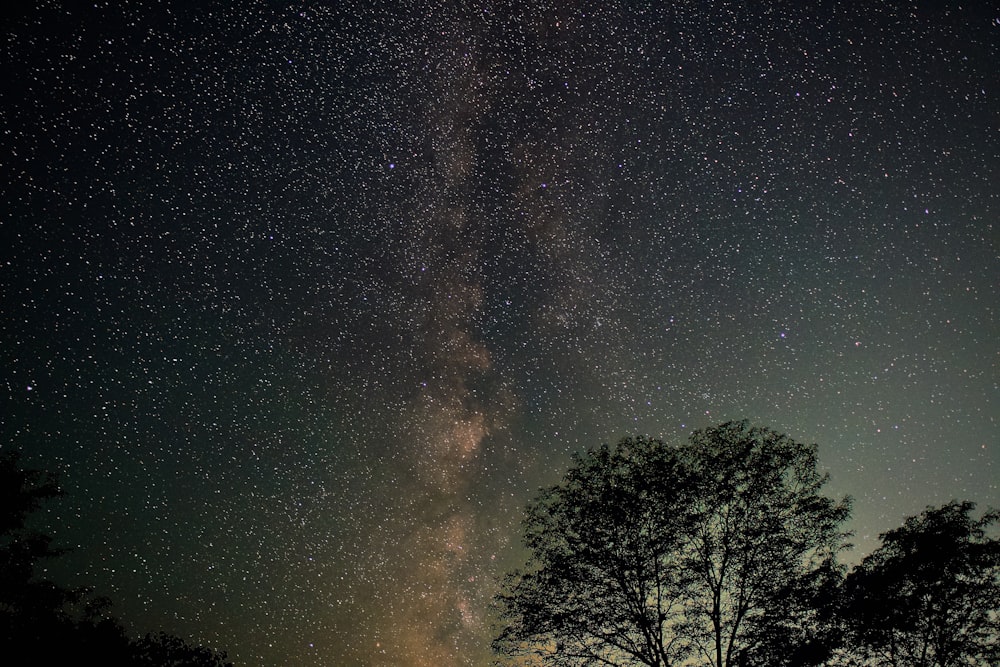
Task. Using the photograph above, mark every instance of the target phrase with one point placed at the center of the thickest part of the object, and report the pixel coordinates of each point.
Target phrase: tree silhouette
(42, 623)
(164, 650)
(719, 551)
(28, 606)
(929, 596)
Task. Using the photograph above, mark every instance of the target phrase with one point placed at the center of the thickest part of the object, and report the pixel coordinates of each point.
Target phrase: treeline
(724, 551)
(43, 623)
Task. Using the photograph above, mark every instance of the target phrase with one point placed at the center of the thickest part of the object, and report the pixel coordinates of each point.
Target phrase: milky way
(304, 303)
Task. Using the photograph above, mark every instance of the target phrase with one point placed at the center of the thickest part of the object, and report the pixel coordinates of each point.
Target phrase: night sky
(304, 302)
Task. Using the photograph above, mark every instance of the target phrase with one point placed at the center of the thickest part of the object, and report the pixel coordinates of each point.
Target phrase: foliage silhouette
(930, 595)
(721, 551)
(27, 605)
(164, 650)
(44, 623)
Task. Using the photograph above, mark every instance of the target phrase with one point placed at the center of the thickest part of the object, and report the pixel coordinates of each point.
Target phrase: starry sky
(304, 301)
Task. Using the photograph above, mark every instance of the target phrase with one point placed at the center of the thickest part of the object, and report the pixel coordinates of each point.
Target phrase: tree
(163, 650)
(27, 605)
(715, 552)
(44, 623)
(929, 596)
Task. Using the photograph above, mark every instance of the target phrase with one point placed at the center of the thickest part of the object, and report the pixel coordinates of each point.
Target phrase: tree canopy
(721, 551)
(930, 595)
(42, 622)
